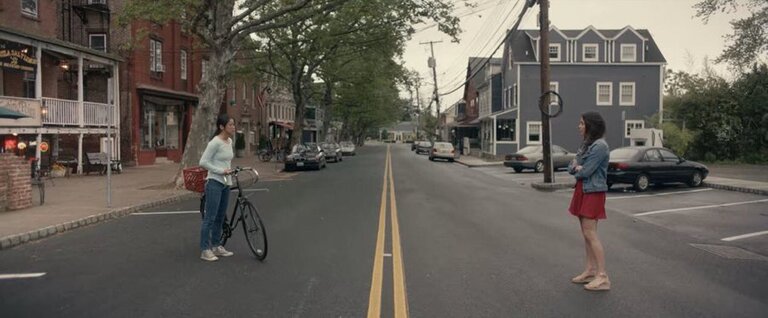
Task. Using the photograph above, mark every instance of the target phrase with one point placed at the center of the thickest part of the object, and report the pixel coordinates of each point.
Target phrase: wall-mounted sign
(44, 146)
(17, 56)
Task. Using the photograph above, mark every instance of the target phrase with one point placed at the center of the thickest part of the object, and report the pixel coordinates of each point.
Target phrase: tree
(749, 41)
(221, 27)
(324, 45)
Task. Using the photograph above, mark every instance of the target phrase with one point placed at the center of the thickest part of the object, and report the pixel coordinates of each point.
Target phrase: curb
(734, 188)
(469, 165)
(34, 235)
(549, 187)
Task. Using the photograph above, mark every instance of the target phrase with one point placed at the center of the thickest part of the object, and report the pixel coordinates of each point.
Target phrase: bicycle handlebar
(237, 170)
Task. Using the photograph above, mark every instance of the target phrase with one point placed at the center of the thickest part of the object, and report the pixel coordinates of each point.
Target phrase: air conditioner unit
(161, 68)
(95, 66)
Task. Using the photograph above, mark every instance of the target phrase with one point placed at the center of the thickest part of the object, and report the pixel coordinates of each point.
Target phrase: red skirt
(587, 205)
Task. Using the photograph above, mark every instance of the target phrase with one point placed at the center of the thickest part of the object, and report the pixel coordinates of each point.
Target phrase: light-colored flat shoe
(600, 283)
(583, 278)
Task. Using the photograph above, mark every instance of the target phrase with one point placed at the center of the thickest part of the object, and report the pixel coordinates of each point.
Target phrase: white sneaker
(220, 251)
(207, 255)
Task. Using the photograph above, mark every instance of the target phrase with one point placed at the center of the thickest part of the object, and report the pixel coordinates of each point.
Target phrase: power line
(487, 60)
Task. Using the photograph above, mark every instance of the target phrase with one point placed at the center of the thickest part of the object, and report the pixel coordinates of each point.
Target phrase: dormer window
(554, 52)
(589, 52)
(629, 52)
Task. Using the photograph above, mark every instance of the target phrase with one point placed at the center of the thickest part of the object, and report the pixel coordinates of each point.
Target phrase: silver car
(531, 157)
(347, 148)
(442, 150)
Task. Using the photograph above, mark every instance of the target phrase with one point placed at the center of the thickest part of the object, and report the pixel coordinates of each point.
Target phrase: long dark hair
(221, 121)
(594, 128)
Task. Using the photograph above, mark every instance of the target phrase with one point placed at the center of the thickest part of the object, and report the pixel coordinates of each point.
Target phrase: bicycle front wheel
(255, 233)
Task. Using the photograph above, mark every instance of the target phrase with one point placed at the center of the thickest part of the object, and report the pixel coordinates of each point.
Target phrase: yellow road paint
(398, 273)
(374, 299)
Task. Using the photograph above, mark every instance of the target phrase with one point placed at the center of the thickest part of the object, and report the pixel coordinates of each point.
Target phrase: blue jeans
(216, 202)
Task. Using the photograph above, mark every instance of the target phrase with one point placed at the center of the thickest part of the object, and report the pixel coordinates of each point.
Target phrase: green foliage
(749, 41)
(708, 118)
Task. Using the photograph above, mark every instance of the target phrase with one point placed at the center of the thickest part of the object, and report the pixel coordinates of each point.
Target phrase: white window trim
(183, 60)
(152, 55)
(634, 53)
(528, 132)
(632, 122)
(610, 94)
(553, 98)
(584, 52)
(93, 35)
(514, 95)
(30, 13)
(559, 52)
(634, 93)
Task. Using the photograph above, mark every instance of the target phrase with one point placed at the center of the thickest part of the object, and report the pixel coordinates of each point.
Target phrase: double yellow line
(398, 274)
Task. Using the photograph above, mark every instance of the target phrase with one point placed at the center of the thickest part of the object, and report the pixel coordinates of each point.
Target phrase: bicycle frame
(231, 223)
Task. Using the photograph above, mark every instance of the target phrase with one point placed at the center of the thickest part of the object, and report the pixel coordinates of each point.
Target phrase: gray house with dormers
(618, 73)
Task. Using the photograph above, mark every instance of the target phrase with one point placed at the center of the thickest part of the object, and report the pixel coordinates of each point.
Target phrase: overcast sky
(683, 39)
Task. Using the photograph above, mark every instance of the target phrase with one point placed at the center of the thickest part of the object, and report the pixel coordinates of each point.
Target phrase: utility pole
(545, 70)
(431, 62)
(418, 106)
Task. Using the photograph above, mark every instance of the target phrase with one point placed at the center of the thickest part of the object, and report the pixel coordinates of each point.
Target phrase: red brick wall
(16, 172)
(45, 24)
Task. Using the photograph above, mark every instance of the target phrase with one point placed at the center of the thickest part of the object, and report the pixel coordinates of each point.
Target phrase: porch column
(116, 103)
(39, 96)
(80, 93)
(493, 140)
(80, 154)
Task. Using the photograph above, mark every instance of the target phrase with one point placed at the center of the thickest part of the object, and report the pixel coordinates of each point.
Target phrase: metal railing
(73, 113)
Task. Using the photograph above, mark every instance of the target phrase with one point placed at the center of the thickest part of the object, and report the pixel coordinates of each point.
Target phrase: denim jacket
(594, 167)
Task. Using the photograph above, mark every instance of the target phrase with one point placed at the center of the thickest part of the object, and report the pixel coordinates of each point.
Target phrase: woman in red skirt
(590, 168)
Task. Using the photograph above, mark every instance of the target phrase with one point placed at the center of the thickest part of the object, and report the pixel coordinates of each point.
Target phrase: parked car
(305, 156)
(332, 151)
(532, 157)
(643, 166)
(424, 147)
(442, 150)
(347, 148)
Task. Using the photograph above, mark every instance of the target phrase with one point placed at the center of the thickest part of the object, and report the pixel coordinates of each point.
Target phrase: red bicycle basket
(194, 179)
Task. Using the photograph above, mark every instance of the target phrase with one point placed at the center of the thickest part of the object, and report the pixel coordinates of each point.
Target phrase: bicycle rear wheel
(255, 233)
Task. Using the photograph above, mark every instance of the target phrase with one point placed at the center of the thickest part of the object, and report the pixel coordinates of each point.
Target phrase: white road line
(700, 207)
(743, 236)
(387, 254)
(15, 276)
(658, 194)
(167, 212)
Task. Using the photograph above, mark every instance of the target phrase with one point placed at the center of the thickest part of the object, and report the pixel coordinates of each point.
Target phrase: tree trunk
(328, 107)
(298, 98)
(212, 86)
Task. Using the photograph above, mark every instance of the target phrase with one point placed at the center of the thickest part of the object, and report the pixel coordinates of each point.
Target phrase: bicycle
(253, 227)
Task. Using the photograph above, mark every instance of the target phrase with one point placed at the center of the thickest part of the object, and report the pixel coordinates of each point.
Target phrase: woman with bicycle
(217, 159)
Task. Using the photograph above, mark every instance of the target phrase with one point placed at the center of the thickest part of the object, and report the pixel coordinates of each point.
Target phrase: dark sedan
(332, 151)
(643, 166)
(305, 156)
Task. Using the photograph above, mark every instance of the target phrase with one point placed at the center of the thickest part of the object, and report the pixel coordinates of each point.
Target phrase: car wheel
(642, 182)
(539, 166)
(431, 159)
(518, 170)
(609, 185)
(695, 179)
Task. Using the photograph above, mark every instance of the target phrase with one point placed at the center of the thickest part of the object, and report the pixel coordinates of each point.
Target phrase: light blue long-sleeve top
(217, 158)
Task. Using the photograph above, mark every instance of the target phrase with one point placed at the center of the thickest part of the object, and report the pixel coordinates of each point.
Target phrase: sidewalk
(474, 162)
(82, 200)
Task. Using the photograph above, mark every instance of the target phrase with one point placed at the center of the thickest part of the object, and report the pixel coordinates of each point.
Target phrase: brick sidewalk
(82, 200)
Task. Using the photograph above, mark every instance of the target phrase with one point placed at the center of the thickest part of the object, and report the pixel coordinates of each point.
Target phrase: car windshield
(530, 149)
(326, 145)
(297, 148)
(623, 154)
(346, 144)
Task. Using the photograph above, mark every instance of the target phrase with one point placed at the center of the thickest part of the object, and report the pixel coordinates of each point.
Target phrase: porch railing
(72, 113)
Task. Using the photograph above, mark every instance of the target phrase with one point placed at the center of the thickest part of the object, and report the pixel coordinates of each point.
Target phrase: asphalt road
(454, 242)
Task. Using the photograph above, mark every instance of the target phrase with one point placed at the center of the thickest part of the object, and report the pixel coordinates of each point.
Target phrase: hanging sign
(16, 56)
(44, 146)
